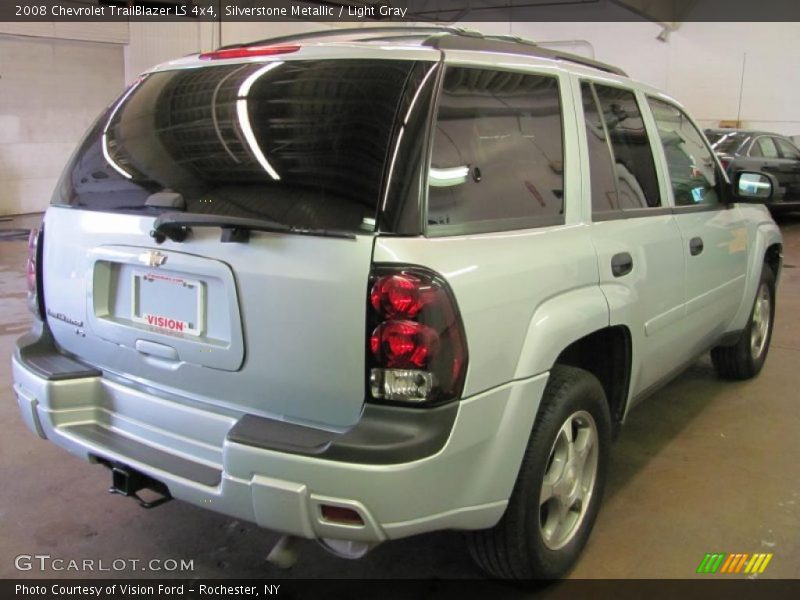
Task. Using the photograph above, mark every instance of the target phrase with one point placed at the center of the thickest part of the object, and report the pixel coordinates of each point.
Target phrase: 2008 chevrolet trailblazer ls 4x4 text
(361, 288)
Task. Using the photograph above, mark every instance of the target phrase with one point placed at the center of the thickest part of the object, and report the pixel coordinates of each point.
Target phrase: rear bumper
(464, 484)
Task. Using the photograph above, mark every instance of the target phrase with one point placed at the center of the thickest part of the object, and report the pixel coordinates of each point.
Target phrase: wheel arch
(573, 329)
(606, 354)
(557, 323)
(774, 258)
(767, 248)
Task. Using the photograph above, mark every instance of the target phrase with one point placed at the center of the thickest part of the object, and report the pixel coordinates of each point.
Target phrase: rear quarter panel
(534, 290)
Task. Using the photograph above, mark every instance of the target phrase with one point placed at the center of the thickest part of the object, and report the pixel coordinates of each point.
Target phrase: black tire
(515, 548)
(740, 361)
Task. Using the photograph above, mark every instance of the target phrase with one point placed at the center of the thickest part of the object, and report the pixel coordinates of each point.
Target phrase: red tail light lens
(404, 344)
(417, 349)
(399, 296)
(32, 273)
(249, 51)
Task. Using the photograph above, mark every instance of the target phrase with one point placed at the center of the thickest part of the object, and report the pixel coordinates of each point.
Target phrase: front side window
(497, 161)
(692, 168)
(637, 183)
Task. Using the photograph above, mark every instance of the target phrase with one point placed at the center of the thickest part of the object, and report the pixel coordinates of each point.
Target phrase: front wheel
(560, 483)
(745, 359)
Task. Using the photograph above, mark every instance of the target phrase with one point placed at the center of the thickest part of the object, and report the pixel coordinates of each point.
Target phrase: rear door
(269, 323)
(635, 235)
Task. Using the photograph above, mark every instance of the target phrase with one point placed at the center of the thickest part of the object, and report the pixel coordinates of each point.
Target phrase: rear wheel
(558, 490)
(745, 359)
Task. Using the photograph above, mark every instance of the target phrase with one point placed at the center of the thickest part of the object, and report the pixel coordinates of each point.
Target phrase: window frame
(513, 224)
(655, 146)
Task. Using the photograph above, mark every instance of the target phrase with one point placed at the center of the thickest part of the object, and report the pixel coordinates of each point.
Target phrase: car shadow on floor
(658, 419)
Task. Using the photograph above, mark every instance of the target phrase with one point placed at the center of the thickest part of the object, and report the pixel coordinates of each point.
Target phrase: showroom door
(638, 243)
(714, 234)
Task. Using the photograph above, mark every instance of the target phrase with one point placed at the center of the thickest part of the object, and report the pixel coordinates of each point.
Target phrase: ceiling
(669, 13)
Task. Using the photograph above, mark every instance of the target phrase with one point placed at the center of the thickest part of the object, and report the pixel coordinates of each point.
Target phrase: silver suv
(359, 288)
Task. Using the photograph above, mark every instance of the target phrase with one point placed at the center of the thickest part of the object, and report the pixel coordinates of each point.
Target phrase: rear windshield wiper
(177, 226)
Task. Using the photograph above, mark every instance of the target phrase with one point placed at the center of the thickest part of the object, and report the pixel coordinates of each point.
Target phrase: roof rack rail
(443, 38)
(514, 45)
(356, 32)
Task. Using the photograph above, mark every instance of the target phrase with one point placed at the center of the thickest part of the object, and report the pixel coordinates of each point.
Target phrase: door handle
(621, 264)
(695, 246)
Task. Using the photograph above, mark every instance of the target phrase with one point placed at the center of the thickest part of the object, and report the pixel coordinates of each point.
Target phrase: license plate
(168, 302)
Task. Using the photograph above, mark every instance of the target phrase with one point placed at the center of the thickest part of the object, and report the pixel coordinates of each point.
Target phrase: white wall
(720, 71)
(87, 31)
(153, 43)
(50, 92)
(711, 62)
(51, 89)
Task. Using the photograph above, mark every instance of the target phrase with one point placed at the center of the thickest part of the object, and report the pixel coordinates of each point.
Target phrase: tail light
(417, 350)
(725, 161)
(32, 274)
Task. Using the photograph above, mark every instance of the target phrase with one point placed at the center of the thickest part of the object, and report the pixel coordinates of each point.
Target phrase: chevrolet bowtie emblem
(153, 259)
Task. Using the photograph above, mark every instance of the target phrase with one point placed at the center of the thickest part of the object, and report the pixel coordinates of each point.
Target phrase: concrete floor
(702, 466)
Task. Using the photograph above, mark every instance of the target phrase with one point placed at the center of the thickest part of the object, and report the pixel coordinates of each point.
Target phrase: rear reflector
(248, 51)
(341, 514)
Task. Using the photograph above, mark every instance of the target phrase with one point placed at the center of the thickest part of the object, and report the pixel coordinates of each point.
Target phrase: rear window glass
(497, 161)
(637, 183)
(304, 143)
(726, 143)
(764, 147)
(601, 164)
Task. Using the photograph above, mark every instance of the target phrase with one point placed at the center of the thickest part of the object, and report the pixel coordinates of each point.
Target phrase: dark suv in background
(772, 154)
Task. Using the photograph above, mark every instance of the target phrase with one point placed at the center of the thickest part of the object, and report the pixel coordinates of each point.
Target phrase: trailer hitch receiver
(126, 481)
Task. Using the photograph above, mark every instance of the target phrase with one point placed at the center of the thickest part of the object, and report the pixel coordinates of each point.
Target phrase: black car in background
(772, 154)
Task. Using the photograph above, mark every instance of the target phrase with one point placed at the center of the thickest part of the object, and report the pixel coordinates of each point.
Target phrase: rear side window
(637, 183)
(498, 160)
(787, 149)
(764, 148)
(302, 142)
(727, 143)
(692, 169)
(601, 164)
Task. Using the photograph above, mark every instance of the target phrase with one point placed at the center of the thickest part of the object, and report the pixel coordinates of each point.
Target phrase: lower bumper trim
(117, 444)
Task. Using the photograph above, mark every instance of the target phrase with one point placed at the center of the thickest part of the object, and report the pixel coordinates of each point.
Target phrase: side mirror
(751, 185)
